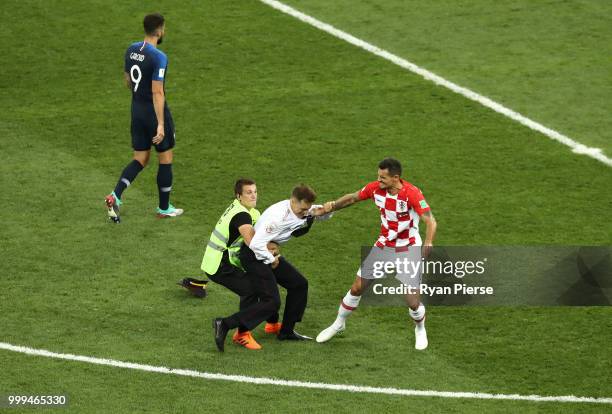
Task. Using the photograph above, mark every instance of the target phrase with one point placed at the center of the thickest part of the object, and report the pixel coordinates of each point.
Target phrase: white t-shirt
(276, 224)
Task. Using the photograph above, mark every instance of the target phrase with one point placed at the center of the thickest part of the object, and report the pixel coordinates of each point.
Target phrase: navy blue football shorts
(144, 128)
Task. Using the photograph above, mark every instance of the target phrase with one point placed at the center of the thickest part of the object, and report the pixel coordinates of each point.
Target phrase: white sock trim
(418, 314)
(350, 300)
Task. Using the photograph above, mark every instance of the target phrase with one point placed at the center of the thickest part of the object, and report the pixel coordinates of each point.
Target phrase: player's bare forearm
(342, 202)
(432, 226)
(126, 78)
(159, 99)
(430, 233)
(158, 103)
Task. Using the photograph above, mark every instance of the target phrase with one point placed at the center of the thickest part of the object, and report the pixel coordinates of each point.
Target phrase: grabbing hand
(318, 211)
(273, 248)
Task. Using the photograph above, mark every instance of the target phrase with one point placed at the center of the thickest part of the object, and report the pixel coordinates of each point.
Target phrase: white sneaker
(328, 333)
(420, 335)
(171, 211)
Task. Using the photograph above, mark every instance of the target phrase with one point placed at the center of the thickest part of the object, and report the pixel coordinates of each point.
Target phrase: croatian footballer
(401, 207)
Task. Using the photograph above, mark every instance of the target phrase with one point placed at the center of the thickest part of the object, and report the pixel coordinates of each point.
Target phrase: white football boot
(329, 332)
(420, 335)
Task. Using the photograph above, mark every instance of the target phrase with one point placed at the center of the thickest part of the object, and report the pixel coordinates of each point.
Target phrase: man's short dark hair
(303, 192)
(241, 183)
(152, 22)
(392, 165)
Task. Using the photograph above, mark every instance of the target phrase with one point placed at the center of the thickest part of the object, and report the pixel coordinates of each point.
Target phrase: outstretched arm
(342, 202)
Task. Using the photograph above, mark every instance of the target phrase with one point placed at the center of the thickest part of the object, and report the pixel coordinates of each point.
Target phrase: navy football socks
(164, 185)
(127, 177)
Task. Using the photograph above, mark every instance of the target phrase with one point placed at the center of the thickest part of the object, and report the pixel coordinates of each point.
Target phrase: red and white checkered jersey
(399, 214)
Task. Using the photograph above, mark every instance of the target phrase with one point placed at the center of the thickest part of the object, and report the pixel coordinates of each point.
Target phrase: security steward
(279, 223)
(222, 264)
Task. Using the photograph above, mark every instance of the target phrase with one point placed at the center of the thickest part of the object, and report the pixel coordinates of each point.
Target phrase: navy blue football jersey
(144, 63)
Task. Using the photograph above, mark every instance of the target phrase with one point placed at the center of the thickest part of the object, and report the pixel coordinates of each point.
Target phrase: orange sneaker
(273, 328)
(246, 340)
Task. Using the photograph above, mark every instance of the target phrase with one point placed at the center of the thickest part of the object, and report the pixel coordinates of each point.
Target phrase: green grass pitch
(257, 93)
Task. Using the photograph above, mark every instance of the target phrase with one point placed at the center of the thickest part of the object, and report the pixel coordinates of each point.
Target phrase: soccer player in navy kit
(145, 71)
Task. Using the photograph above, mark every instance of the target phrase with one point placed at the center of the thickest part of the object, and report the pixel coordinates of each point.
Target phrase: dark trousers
(264, 284)
(241, 284)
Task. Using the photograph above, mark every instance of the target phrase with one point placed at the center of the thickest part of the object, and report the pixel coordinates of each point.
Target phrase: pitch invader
(401, 206)
(152, 125)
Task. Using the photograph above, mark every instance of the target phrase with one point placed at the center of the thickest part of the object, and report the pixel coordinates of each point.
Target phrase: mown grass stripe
(576, 147)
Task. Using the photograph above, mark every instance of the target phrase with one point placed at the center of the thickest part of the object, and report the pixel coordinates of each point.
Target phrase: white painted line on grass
(301, 384)
(576, 147)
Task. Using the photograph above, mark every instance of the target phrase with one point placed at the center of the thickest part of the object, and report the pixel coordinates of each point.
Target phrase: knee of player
(165, 157)
(142, 160)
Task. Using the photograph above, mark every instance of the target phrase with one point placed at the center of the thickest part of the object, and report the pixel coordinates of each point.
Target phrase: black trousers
(264, 283)
(240, 283)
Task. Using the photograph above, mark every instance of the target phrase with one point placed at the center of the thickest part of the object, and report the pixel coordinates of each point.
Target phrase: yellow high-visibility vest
(219, 238)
